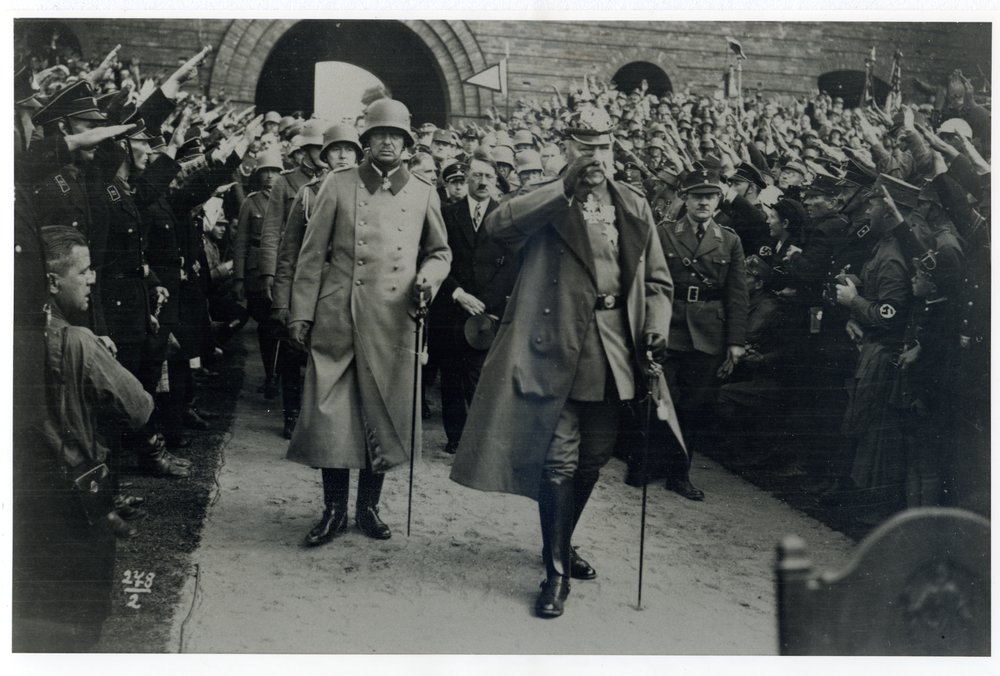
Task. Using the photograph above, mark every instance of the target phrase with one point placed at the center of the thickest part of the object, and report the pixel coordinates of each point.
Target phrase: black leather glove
(657, 346)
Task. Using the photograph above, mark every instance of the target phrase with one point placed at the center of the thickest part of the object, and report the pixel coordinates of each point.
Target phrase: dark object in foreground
(918, 585)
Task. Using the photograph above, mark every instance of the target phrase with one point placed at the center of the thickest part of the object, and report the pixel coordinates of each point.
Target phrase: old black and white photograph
(517, 335)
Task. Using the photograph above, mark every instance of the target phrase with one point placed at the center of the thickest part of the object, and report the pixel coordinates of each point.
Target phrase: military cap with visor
(76, 100)
(590, 126)
(701, 181)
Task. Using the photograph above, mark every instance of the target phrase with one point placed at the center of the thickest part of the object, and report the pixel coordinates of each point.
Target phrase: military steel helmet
(270, 159)
(524, 137)
(312, 133)
(273, 116)
(391, 114)
(285, 122)
(341, 133)
(528, 160)
(504, 155)
(590, 126)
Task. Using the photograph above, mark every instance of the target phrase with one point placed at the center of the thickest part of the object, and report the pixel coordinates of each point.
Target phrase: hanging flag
(737, 48)
(494, 77)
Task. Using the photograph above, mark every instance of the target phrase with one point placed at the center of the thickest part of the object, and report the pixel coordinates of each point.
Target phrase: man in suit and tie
(481, 278)
(709, 320)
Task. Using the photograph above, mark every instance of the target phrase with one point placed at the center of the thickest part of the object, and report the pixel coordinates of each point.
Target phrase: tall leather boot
(555, 512)
(336, 485)
(366, 511)
(583, 486)
(153, 455)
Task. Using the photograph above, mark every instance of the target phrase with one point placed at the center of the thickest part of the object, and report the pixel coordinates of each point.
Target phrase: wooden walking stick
(652, 373)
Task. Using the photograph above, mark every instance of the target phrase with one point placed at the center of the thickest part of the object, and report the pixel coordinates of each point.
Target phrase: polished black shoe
(331, 524)
(554, 592)
(122, 529)
(180, 462)
(289, 428)
(635, 479)
(579, 569)
(368, 523)
(271, 389)
(684, 489)
(451, 448)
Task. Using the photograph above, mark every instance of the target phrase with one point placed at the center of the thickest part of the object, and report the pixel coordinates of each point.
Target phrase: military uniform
(709, 313)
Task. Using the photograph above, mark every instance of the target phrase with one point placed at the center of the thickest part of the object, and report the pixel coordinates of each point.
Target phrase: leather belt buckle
(692, 292)
(609, 302)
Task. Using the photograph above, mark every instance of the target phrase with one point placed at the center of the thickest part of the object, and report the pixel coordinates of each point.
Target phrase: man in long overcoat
(375, 244)
(592, 296)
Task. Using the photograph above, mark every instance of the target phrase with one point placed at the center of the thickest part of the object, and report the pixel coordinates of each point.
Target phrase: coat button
(538, 340)
(399, 248)
(395, 267)
(361, 262)
(74, 224)
(692, 274)
(118, 302)
(357, 283)
(130, 231)
(555, 281)
(546, 311)
(394, 287)
(17, 248)
(361, 222)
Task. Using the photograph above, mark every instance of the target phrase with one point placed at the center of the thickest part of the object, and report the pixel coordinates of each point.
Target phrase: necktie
(477, 219)
(701, 231)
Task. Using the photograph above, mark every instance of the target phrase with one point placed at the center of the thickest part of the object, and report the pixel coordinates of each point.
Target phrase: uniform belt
(609, 301)
(699, 294)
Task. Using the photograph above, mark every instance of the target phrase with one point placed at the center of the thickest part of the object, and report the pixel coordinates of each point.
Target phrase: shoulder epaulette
(61, 182)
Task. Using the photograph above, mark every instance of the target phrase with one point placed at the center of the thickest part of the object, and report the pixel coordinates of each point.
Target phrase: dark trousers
(460, 370)
(268, 331)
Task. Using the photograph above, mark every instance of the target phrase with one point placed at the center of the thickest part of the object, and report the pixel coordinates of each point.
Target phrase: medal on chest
(386, 184)
(602, 215)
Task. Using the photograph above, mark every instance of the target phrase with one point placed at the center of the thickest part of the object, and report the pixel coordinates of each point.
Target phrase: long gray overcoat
(365, 245)
(530, 368)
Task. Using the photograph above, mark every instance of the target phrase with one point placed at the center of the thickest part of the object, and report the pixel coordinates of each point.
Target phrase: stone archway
(248, 43)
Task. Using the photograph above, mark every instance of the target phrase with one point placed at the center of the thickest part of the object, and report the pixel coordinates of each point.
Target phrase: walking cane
(652, 373)
(418, 355)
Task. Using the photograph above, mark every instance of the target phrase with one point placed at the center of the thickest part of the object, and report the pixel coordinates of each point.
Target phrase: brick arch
(248, 42)
(623, 57)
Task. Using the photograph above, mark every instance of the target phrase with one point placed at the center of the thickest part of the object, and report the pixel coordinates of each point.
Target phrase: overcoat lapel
(711, 240)
(570, 226)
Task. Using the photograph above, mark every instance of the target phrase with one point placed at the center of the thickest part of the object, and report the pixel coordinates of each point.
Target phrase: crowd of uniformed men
(825, 268)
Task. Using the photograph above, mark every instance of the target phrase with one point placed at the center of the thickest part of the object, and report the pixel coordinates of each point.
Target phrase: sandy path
(466, 580)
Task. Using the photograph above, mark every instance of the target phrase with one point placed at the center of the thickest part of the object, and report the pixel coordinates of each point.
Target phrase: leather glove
(657, 346)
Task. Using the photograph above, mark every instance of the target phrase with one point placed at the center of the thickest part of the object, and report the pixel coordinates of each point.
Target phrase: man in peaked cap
(708, 323)
(375, 249)
(444, 145)
(545, 416)
(454, 178)
(742, 211)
